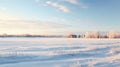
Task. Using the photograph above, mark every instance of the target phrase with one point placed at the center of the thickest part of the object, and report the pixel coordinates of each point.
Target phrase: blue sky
(58, 16)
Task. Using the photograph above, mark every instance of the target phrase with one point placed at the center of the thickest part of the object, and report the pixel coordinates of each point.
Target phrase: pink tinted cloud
(59, 6)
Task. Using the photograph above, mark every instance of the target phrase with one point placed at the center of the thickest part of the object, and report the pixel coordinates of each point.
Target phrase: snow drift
(59, 52)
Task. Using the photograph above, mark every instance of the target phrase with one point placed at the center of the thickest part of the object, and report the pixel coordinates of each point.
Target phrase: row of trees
(30, 35)
(97, 34)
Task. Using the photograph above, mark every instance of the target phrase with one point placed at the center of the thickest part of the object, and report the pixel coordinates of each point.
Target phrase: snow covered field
(59, 52)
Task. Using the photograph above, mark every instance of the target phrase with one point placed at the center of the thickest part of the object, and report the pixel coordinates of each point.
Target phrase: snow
(59, 52)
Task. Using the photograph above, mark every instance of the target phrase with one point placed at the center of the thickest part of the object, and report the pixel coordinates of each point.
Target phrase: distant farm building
(72, 36)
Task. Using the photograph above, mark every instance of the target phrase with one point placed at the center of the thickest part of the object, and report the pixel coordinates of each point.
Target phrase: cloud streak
(75, 2)
(12, 25)
(31, 27)
(72, 1)
(59, 6)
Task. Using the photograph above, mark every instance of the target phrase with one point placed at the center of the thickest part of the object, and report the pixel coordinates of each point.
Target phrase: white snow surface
(59, 52)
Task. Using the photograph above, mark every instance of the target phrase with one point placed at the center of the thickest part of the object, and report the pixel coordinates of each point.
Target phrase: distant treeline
(29, 35)
(96, 34)
(93, 34)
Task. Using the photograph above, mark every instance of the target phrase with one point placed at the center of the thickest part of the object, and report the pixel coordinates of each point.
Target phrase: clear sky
(58, 16)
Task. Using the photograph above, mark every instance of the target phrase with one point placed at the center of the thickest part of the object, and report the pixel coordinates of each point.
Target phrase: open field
(59, 52)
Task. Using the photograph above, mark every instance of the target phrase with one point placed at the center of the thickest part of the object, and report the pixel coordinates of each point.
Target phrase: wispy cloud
(13, 25)
(59, 6)
(76, 2)
(30, 26)
(11, 19)
(72, 1)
